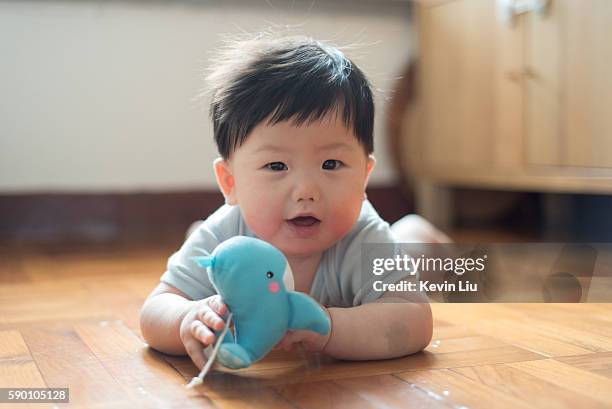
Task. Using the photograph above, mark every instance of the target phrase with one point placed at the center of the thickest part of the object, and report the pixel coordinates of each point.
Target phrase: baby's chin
(300, 246)
(301, 249)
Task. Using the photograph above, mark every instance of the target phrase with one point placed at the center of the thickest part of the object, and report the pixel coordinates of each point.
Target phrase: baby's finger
(216, 303)
(202, 333)
(287, 342)
(211, 319)
(196, 353)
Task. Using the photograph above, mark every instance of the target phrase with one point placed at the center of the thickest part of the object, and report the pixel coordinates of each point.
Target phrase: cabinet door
(569, 92)
(543, 102)
(471, 86)
(588, 83)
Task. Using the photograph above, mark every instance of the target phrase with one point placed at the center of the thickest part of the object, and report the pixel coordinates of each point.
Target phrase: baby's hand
(198, 326)
(312, 341)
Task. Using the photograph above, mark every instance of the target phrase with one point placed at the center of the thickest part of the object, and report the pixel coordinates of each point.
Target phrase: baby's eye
(331, 164)
(276, 166)
(269, 274)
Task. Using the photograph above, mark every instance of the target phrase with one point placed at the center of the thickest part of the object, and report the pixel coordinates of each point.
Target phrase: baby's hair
(285, 78)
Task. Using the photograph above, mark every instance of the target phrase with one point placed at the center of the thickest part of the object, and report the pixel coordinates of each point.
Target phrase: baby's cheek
(264, 223)
(342, 221)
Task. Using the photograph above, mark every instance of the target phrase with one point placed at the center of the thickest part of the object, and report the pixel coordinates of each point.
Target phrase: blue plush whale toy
(248, 275)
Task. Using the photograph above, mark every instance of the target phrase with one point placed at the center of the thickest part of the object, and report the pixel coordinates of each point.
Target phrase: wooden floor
(69, 318)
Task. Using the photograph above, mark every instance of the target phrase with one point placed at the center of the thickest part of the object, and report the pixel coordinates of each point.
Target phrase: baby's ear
(370, 164)
(225, 180)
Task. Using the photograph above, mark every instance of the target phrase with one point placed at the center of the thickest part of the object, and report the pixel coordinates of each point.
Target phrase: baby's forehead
(319, 135)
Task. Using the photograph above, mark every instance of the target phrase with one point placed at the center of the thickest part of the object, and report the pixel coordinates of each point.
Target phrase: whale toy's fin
(204, 261)
(306, 314)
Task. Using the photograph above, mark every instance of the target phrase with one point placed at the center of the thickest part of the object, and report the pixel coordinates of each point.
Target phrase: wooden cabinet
(521, 104)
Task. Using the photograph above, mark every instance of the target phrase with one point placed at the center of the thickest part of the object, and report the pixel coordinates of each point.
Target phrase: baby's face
(299, 188)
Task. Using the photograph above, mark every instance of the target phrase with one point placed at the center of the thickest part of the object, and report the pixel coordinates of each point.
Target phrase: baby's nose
(306, 191)
(309, 198)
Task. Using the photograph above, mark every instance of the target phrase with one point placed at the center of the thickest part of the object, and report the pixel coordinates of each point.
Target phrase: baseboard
(149, 217)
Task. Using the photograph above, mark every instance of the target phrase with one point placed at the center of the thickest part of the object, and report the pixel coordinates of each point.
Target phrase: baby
(293, 122)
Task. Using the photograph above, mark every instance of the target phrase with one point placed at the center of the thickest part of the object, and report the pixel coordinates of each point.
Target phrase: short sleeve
(371, 239)
(182, 272)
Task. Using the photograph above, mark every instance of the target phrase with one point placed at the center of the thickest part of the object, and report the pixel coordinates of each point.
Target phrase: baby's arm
(390, 327)
(172, 323)
(395, 325)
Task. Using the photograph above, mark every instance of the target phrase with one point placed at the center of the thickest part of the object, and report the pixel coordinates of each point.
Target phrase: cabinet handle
(514, 75)
(521, 74)
(507, 10)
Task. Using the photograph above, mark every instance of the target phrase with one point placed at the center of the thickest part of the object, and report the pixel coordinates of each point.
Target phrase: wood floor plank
(13, 345)
(127, 297)
(599, 363)
(598, 321)
(460, 344)
(260, 375)
(334, 369)
(566, 331)
(525, 336)
(84, 265)
(381, 391)
(17, 368)
(457, 390)
(530, 389)
(65, 361)
(324, 395)
(275, 360)
(599, 313)
(362, 392)
(511, 324)
(444, 330)
(141, 373)
(568, 377)
(25, 303)
(246, 398)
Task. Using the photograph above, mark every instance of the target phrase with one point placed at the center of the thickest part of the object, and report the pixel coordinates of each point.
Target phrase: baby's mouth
(304, 221)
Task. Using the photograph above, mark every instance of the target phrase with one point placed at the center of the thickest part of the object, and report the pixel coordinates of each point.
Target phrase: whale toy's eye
(269, 274)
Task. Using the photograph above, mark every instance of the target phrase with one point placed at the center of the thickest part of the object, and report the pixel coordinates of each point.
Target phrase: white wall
(97, 96)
